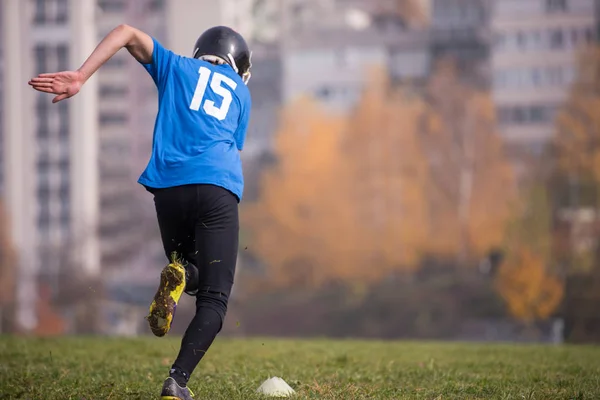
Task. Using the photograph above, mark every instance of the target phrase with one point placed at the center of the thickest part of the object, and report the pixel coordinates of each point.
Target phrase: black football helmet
(228, 45)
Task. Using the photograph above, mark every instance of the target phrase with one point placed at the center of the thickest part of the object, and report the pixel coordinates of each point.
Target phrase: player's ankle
(180, 376)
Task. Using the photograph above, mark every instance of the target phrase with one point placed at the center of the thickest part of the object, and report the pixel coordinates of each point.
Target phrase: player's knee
(214, 300)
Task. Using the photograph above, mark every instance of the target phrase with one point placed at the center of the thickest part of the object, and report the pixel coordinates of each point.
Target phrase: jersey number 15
(216, 84)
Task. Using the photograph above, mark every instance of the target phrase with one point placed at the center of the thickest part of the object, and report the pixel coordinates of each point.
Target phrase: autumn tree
(527, 281)
(530, 292)
(388, 176)
(346, 200)
(299, 216)
(472, 183)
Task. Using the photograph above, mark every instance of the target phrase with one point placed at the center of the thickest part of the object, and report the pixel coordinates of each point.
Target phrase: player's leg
(177, 234)
(217, 246)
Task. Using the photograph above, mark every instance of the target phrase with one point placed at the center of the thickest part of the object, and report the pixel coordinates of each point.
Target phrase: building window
(519, 115)
(522, 115)
(521, 39)
(39, 16)
(113, 91)
(112, 5)
(156, 5)
(536, 114)
(62, 54)
(51, 12)
(43, 219)
(537, 39)
(557, 40)
(110, 118)
(589, 35)
(323, 92)
(556, 5)
(40, 58)
(63, 121)
(62, 11)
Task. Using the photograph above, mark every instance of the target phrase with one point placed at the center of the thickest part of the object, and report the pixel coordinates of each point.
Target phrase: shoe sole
(162, 309)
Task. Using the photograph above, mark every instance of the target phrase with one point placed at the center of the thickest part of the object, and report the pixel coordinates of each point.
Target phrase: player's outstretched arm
(67, 84)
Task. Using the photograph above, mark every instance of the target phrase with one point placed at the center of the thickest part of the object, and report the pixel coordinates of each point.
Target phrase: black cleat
(172, 391)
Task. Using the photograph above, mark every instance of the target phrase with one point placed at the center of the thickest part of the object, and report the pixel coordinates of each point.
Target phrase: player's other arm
(66, 84)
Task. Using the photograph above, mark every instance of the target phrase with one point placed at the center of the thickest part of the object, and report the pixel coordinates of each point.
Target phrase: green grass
(100, 368)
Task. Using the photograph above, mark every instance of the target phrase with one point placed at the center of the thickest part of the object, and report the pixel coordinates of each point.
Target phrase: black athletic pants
(201, 224)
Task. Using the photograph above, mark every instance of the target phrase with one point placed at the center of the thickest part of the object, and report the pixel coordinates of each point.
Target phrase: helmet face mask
(221, 43)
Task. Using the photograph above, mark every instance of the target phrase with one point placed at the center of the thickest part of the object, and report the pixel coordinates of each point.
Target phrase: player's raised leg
(177, 233)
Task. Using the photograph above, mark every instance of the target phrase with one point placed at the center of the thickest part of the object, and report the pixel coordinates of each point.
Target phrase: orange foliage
(389, 176)
(530, 292)
(357, 198)
(346, 200)
(299, 225)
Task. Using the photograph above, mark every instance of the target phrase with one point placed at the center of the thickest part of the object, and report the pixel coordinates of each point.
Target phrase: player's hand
(63, 84)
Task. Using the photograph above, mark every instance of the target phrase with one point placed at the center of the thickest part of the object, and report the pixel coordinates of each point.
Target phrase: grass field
(90, 368)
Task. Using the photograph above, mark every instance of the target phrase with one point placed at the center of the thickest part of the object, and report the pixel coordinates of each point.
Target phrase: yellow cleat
(162, 309)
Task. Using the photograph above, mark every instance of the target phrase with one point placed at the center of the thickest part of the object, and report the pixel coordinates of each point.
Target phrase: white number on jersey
(216, 84)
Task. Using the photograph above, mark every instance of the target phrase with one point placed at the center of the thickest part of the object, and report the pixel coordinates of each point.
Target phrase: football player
(194, 173)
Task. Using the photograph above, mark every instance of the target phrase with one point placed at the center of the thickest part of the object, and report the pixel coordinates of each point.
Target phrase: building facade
(70, 169)
(534, 62)
(49, 170)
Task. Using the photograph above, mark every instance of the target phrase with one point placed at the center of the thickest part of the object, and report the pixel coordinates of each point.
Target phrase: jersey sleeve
(160, 64)
(240, 133)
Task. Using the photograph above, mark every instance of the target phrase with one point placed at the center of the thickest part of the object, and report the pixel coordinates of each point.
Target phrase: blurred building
(187, 19)
(71, 168)
(323, 49)
(49, 152)
(333, 65)
(127, 105)
(534, 63)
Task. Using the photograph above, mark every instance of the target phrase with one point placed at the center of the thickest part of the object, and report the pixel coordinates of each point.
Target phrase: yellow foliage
(529, 291)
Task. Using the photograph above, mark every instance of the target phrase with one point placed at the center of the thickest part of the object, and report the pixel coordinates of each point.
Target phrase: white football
(275, 387)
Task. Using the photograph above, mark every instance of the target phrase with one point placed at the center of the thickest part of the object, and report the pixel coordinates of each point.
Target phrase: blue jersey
(203, 114)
